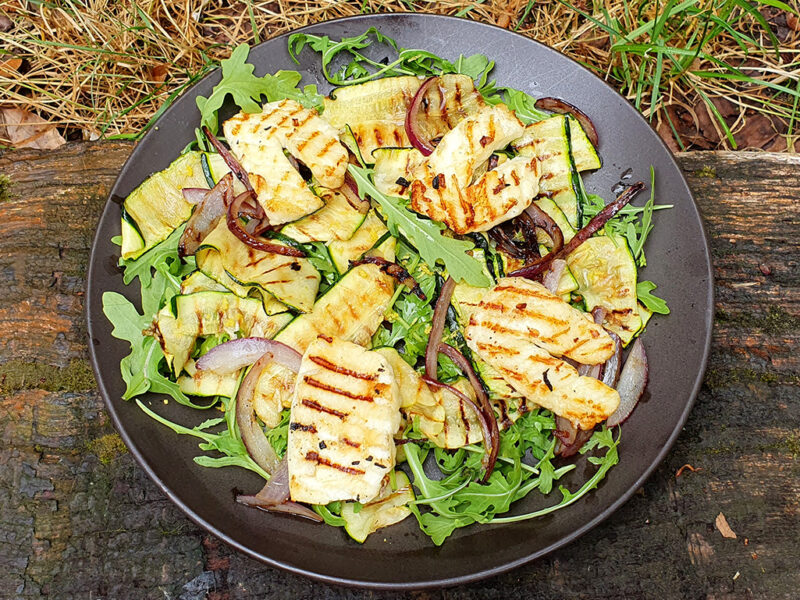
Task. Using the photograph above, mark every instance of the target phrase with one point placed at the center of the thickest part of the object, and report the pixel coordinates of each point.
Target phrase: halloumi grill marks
(520, 329)
(345, 412)
(258, 140)
(443, 189)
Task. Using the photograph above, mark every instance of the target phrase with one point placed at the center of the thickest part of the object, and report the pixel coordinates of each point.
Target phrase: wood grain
(79, 519)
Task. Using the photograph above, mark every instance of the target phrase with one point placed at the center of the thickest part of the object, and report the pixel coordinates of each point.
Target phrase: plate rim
(90, 311)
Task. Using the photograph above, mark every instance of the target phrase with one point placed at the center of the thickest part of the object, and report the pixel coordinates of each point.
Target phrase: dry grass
(104, 68)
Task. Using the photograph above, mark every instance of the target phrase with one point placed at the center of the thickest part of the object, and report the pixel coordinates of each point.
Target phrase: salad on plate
(395, 300)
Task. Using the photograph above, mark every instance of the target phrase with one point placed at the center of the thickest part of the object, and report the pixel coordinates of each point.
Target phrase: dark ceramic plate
(401, 556)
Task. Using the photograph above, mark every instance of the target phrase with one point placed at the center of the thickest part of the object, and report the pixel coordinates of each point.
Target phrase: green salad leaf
(246, 89)
(651, 302)
(226, 443)
(355, 67)
(457, 500)
(424, 234)
(141, 369)
(410, 317)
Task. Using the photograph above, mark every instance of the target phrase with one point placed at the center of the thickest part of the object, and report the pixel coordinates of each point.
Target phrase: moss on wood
(107, 448)
(18, 375)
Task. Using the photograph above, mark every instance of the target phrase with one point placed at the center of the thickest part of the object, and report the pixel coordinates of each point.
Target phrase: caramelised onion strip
(486, 428)
(253, 438)
(544, 221)
(632, 383)
(570, 439)
(194, 195)
(205, 217)
(437, 327)
(552, 276)
(350, 192)
(412, 123)
(230, 160)
(614, 364)
(583, 234)
(557, 105)
(274, 496)
(463, 363)
(235, 208)
(502, 235)
(394, 270)
(235, 354)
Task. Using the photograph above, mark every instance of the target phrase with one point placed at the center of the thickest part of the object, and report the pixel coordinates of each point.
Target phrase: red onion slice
(562, 107)
(632, 383)
(592, 227)
(565, 431)
(553, 275)
(581, 437)
(350, 192)
(486, 428)
(253, 438)
(194, 195)
(235, 208)
(590, 371)
(235, 354)
(274, 496)
(437, 328)
(412, 124)
(614, 364)
(545, 222)
(493, 445)
(230, 160)
(206, 215)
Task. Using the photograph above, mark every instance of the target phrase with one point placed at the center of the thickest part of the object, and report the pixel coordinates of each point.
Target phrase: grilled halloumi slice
(258, 141)
(395, 169)
(517, 329)
(498, 196)
(527, 309)
(351, 310)
(345, 412)
(470, 143)
(548, 381)
(443, 189)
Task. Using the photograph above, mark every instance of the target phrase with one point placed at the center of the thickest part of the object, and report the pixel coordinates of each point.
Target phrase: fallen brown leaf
(5, 23)
(159, 73)
(27, 130)
(10, 66)
(757, 132)
(722, 526)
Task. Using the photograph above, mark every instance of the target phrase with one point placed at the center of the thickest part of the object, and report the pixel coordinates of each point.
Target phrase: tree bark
(79, 518)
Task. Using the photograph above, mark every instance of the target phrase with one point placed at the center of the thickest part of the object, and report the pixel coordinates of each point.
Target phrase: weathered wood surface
(79, 519)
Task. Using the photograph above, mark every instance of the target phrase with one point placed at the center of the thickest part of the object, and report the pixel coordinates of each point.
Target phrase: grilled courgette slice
(549, 141)
(605, 271)
(293, 281)
(187, 317)
(154, 209)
